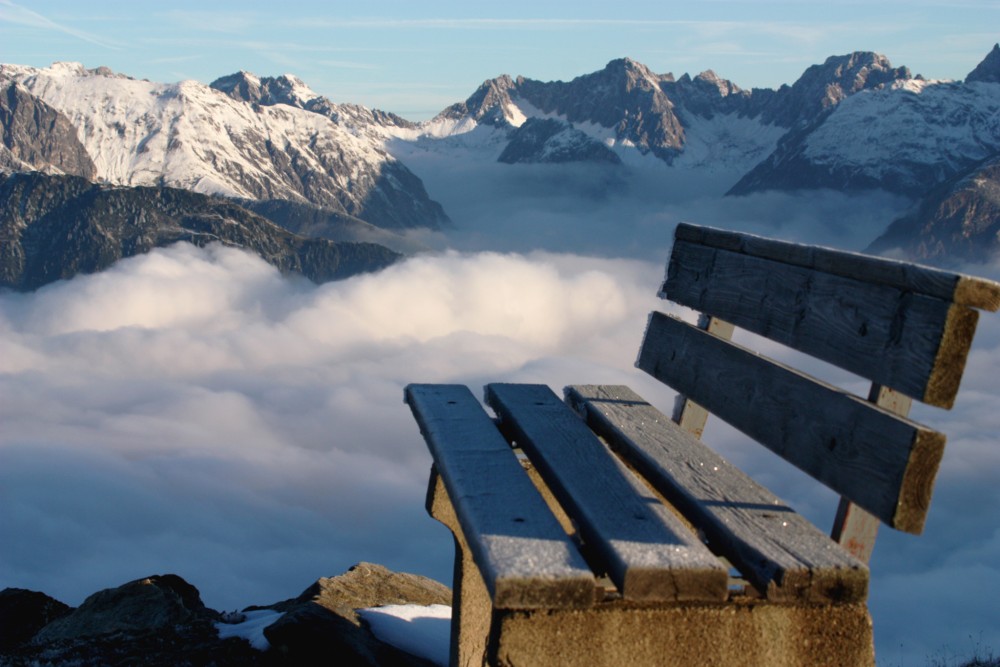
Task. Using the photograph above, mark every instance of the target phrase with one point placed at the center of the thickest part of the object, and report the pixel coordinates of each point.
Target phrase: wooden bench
(595, 530)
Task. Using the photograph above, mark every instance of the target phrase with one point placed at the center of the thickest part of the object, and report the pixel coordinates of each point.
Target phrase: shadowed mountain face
(988, 71)
(958, 221)
(37, 137)
(55, 227)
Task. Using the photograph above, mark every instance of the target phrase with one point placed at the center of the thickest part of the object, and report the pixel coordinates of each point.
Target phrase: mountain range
(275, 149)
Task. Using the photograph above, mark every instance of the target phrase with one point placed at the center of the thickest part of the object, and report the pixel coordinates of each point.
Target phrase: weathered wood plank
(649, 554)
(882, 462)
(781, 553)
(689, 415)
(959, 288)
(912, 342)
(853, 527)
(526, 559)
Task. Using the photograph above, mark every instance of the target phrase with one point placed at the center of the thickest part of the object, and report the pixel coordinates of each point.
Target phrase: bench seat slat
(882, 462)
(648, 552)
(524, 555)
(910, 341)
(785, 556)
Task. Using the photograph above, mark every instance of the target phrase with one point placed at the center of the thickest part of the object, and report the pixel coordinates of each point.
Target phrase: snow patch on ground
(423, 631)
(251, 628)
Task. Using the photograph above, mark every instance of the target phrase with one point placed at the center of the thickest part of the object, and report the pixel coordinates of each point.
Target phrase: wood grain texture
(526, 559)
(953, 287)
(854, 528)
(912, 342)
(689, 415)
(648, 553)
(880, 461)
(781, 553)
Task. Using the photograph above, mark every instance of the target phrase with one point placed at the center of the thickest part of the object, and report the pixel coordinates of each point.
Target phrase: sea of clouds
(193, 411)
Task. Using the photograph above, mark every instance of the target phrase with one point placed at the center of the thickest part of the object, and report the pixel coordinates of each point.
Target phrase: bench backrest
(900, 325)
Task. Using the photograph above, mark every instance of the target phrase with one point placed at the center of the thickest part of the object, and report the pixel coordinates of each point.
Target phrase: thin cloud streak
(18, 15)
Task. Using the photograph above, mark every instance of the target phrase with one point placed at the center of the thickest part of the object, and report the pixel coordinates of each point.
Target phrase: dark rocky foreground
(161, 620)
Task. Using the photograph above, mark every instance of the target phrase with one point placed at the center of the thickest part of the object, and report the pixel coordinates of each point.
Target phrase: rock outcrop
(161, 620)
(323, 618)
(23, 613)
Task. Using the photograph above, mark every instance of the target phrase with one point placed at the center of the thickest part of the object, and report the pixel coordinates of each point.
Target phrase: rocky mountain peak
(77, 69)
(822, 87)
(489, 103)
(492, 92)
(988, 71)
(248, 87)
(709, 78)
(242, 85)
(627, 74)
(844, 75)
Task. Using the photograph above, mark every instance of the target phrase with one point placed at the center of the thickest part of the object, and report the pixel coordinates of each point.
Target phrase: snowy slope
(942, 125)
(191, 136)
(904, 138)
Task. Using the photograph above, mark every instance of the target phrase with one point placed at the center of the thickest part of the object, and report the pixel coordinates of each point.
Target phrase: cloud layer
(192, 411)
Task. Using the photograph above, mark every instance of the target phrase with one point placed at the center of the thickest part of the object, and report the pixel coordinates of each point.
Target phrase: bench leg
(471, 604)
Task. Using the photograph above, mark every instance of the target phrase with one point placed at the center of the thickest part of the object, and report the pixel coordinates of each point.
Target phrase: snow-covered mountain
(626, 108)
(852, 122)
(905, 138)
(192, 136)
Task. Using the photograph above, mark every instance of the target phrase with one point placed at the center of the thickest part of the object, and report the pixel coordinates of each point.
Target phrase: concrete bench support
(742, 631)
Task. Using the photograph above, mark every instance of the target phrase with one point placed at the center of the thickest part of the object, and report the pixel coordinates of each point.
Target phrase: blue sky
(417, 58)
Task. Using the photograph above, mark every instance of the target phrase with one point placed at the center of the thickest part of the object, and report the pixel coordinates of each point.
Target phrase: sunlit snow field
(192, 411)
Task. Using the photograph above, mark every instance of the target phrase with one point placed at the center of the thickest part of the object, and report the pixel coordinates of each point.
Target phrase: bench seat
(680, 539)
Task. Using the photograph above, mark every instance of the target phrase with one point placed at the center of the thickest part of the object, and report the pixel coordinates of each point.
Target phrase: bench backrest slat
(900, 325)
(648, 552)
(525, 556)
(776, 549)
(882, 462)
(958, 288)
